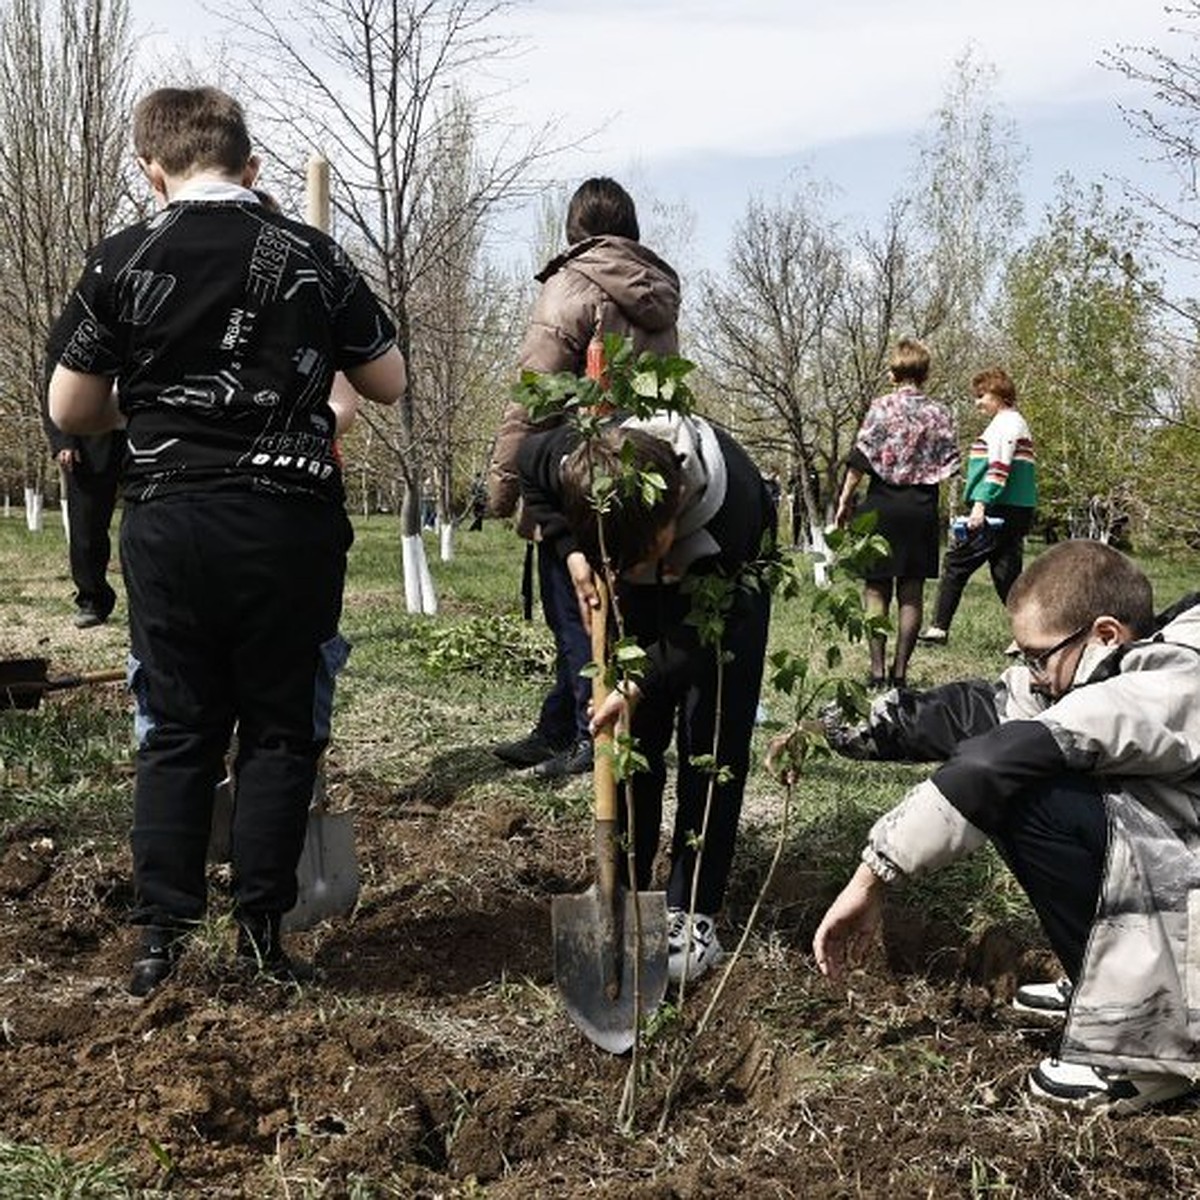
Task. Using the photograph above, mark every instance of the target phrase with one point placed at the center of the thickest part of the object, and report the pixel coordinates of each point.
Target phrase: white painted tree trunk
(419, 596)
(33, 509)
(446, 541)
(820, 548)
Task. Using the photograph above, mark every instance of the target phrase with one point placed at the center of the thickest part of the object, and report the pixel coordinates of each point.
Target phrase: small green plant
(497, 646)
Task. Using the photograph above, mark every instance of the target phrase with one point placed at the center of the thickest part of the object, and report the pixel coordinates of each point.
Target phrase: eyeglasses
(1037, 660)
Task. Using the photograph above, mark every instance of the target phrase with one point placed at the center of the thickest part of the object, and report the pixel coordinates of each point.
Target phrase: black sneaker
(1044, 999)
(529, 751)
(576, 760)
(87, 618)
(158, 951)
(260, 952)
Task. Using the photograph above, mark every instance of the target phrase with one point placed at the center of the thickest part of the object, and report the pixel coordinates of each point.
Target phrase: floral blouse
(907, 438)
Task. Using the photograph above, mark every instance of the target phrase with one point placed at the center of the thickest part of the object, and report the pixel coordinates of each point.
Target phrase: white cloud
(769, 77)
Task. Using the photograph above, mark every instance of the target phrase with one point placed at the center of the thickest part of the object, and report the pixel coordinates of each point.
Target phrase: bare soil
(433, 1058)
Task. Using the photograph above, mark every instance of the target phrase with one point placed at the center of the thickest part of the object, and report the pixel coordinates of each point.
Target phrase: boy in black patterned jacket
(222, 325)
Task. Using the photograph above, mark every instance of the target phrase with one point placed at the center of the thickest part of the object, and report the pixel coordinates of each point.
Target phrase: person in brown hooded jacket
(605, 281)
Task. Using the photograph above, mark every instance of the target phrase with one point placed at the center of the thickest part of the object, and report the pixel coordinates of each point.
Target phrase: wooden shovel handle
(112, 675)
(603, 784)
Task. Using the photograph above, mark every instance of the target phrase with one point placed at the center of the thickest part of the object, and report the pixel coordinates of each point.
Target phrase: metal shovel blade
(23, 681)
(594, 962)
(327, 876)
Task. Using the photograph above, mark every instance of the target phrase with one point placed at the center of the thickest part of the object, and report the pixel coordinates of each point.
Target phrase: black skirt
(908, 518)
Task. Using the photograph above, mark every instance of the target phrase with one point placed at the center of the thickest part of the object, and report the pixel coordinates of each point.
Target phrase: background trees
(376, 85)
(1079, 329)
(791, 333)
(64, 112)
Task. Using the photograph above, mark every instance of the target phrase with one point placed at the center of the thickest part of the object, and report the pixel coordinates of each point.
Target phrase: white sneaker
(695, 958)
(1099, 1090)
(1044, 999)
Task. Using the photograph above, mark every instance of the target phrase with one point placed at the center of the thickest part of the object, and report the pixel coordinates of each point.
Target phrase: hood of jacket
(636, 280)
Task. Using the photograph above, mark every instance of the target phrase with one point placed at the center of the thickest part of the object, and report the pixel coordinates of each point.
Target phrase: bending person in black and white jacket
(1090, 790)
(711, 519)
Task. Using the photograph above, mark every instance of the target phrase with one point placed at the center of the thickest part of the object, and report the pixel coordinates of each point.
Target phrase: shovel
(598, 952)
(327, 874)
(23, 681)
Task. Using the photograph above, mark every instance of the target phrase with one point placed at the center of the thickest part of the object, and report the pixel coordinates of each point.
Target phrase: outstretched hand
(850, 925)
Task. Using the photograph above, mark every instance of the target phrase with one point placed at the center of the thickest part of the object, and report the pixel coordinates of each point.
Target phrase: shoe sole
(1049, 1014)
(1095, 1102)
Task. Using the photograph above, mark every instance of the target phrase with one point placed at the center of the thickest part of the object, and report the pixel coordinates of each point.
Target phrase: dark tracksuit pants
(1002, 549)
(564, 715)
(91, 487)
(1055, 841)
(234, 601)
(687, 709)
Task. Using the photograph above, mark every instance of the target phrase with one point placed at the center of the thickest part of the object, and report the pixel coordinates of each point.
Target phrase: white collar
(207, 188)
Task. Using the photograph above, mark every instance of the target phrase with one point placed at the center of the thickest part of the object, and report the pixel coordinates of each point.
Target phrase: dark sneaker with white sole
(1049, 1000)
(575, 760)
(693, 956)
(528, 751)
(1098, 1090)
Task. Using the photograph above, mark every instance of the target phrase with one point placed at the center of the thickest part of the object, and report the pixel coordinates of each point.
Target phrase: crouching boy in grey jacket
(1089, 787)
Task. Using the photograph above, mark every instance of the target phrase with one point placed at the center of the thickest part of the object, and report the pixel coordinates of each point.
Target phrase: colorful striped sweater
(1001, 466)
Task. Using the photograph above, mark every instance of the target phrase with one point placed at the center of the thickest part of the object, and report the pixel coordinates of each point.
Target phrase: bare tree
(1168, 123)
(64, 85)
(967, 208)
(467, 315)
(762, 327)
(366, 81)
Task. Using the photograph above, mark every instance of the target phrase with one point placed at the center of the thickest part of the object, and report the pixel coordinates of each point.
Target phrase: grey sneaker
(691, 957)
(1044, 999)
(1097, 1089)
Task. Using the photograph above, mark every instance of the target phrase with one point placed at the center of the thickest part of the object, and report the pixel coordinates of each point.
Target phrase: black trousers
(234, 601)
(1055, 841)
(91, 488)
(687, 711)
(1002, 549)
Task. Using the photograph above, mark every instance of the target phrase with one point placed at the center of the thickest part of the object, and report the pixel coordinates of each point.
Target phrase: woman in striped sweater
(1001, 483)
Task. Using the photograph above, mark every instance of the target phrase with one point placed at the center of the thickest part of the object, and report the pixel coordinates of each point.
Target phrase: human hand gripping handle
(609, 706)
(586, 586)
(850, 924)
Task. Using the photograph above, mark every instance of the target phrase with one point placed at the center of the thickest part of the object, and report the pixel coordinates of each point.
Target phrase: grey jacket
(1135, 727)
(634, 293)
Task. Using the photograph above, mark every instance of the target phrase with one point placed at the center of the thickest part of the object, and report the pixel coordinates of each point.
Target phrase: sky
(709, 103)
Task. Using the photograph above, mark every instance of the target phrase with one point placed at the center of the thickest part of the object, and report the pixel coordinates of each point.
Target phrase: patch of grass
(68, 761)
(29, 1172)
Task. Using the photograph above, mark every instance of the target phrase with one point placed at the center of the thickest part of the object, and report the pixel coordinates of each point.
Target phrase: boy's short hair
(185, 129)
(1074, 582)
(910, 361)
(632, 521)
(601, 206)
(996, 381)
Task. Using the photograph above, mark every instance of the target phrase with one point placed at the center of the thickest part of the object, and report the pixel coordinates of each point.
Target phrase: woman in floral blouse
(907, 445)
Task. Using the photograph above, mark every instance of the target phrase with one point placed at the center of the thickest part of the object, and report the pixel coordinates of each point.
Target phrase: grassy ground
(907, 1083)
